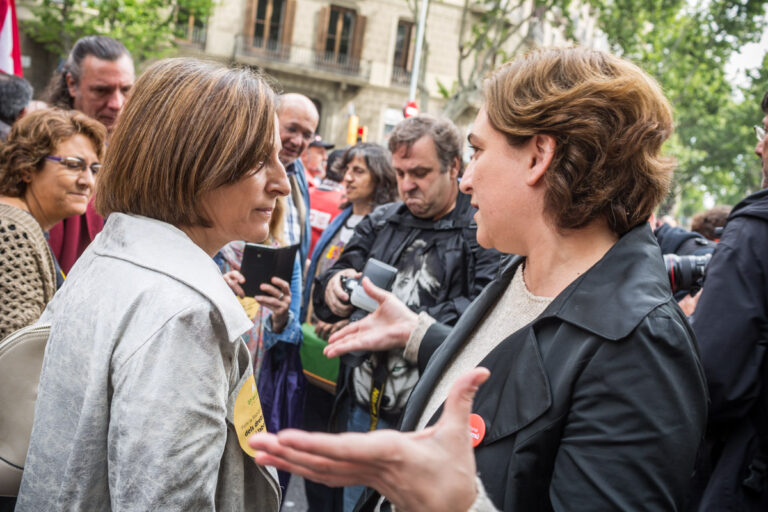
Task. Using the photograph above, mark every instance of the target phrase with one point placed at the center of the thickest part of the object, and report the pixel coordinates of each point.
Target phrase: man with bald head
(297, 117)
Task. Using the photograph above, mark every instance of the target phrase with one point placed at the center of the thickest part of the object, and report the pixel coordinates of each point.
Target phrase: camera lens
(686, 272)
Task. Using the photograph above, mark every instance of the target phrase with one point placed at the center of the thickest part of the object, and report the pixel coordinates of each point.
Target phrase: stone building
(349, 56)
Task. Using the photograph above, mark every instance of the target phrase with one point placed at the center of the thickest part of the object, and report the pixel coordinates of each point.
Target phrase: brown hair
(100, 47)
(379, 163)
(36, 136)
(706, 222)
(277, 221)
(609, 120)
(443, 133)
(189, 128)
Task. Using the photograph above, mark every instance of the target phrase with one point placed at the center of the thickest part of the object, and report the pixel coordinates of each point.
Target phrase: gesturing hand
(388, 327)
(433, 469)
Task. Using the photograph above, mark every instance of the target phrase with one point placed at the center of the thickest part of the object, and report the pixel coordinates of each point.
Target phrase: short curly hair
(609, 120)
(37, 135)
(707, 222)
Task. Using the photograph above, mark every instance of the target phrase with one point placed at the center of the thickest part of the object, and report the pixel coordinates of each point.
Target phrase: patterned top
(232, 254)
(27, 271)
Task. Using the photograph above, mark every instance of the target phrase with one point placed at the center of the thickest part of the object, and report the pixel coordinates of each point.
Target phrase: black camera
(686, 272)
(380, 274)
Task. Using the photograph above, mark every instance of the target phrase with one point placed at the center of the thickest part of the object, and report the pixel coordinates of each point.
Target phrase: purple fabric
(281, 391)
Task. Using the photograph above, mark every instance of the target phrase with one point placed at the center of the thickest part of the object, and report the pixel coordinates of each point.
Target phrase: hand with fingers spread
(433, 469)
(388, 327)
(336, 297)
(278, 299)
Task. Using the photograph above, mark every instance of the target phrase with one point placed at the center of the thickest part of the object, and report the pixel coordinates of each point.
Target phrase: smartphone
(262, 262)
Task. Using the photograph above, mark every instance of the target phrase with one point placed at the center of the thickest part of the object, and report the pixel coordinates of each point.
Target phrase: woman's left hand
(277, 298)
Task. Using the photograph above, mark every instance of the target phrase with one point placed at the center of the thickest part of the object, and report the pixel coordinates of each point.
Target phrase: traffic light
(352, 129)
(362, 133)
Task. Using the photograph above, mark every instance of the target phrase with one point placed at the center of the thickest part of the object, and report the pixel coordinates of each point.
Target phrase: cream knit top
(27, 275)
(516, 308)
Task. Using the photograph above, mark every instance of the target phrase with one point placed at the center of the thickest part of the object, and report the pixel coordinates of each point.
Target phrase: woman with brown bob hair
(48, 168)
(595, 398)
(147, 392)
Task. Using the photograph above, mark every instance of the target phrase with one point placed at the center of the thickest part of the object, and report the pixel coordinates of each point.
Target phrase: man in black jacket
(430, 238)
(731, 324)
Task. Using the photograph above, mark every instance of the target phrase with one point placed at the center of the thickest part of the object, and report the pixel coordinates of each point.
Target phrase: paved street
(295, 500)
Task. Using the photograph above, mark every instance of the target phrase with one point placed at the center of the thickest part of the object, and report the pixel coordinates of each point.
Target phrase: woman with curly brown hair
(596, 398)
(47, 173)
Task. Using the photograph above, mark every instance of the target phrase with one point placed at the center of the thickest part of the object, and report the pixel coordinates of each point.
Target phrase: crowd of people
(529, 347)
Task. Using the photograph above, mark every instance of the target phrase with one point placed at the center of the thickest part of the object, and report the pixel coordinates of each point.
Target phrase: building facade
(352, 57)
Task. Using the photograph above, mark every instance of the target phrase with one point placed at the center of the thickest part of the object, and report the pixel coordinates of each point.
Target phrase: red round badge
(476, 429)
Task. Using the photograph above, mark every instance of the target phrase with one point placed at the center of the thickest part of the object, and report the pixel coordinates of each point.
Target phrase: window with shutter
(190, 28)
(339, 38)
(270, 21)
(403, 58)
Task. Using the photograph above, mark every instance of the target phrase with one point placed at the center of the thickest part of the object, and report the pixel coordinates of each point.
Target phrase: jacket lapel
(453, 343)
(518, 391)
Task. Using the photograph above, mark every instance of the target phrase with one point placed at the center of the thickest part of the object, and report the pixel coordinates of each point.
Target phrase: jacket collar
(635, 262)
(457, 218)
(755, 205)
(609, 300)
(163, 248)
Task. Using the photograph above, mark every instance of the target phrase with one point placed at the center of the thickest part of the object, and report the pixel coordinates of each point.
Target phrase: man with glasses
(731, 325)
(297, 118)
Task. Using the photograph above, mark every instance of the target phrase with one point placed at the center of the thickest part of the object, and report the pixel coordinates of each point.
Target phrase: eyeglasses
(759, 132)
(74, 163)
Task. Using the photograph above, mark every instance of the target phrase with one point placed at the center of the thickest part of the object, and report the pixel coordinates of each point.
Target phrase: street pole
(417, 53)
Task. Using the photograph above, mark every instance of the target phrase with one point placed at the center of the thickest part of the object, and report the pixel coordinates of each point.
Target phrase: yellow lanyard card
(248, 417)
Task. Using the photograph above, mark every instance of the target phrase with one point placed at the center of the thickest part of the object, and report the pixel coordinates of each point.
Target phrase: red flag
(10, 51)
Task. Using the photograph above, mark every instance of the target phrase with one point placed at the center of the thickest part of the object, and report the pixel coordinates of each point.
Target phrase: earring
(26, 178)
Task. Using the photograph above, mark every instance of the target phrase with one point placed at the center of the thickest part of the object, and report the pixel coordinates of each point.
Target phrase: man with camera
(429, 237)
(731, 325)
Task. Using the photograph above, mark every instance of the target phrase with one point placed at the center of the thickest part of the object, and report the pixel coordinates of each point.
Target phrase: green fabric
(313, 360)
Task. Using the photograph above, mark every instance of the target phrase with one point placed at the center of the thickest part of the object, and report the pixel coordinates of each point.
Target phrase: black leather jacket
(464, 270)
(598, 404)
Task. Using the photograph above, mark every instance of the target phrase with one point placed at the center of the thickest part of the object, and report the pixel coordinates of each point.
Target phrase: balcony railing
(401, 76)
(195, 37)
(304, 58)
